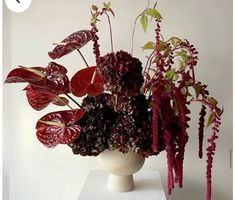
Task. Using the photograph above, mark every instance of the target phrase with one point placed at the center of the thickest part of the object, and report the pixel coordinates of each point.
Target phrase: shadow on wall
(191, 190)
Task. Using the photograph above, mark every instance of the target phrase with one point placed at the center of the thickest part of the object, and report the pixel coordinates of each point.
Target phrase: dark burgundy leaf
(86, 81)
(74, 41)
(59, 127)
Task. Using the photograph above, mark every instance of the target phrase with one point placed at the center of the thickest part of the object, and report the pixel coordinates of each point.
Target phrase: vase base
(120, 183)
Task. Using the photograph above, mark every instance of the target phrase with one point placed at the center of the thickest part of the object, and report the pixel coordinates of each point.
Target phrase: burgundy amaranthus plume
(169, 87)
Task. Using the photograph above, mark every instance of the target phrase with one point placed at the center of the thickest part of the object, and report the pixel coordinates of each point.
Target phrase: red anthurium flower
(59, 127)
(40, 98)
(52, 67)
(74, 41)
(87, 81)
(53, 77)
(26, 74)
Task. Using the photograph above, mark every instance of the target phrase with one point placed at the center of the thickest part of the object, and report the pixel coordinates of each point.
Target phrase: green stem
(83, 57)
(133, 32)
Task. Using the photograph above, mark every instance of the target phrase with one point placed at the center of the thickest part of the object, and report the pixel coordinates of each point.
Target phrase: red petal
(59, 127)
(74, 41)
(39, 98)
(80, 83)
(23, 75)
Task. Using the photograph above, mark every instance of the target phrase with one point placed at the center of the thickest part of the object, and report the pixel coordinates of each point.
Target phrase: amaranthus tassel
(155, 121)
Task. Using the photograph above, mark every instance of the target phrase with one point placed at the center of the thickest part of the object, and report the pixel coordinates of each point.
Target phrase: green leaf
(148, 45)
(212, 101)
(176, 77)
(219, 111)
(161, 45)
(152, 12)
(144, 22)
(95, 8)
(198, 89)
(184, 56)
(170, 74)
(110, 10)
(107, 5)
(175, 41)
(210, 120)
(182, 65)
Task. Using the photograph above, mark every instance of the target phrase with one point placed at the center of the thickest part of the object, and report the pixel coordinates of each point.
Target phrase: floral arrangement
(125, 106)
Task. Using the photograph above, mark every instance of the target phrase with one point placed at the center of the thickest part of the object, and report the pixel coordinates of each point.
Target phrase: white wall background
(33, 172)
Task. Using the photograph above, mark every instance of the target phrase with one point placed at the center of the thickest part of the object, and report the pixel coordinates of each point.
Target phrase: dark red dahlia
(122, 73)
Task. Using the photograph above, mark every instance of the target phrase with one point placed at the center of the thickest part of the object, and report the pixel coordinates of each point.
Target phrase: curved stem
(133, 32)
(73, 100)
(83, 57)
(110, 31)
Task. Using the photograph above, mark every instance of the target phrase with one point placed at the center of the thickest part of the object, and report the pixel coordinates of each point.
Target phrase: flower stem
(73, 100)
(83, 57)
(65, 103)
(133, 32)
(110, 31)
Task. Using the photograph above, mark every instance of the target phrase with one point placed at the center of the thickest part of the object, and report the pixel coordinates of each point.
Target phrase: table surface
(148, 186)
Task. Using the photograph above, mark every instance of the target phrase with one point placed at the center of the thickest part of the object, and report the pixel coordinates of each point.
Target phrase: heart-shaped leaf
(59, 127)
(39, 98)
(87, 81)
(74, 41)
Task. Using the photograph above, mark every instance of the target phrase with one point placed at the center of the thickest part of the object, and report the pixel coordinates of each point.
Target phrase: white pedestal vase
(121, 168)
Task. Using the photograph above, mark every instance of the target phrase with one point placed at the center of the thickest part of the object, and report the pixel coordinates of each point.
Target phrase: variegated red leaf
(59, 127)
(74, 41)
(87, 81)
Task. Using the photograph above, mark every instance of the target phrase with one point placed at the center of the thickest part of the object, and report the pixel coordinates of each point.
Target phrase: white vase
(121, 168)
